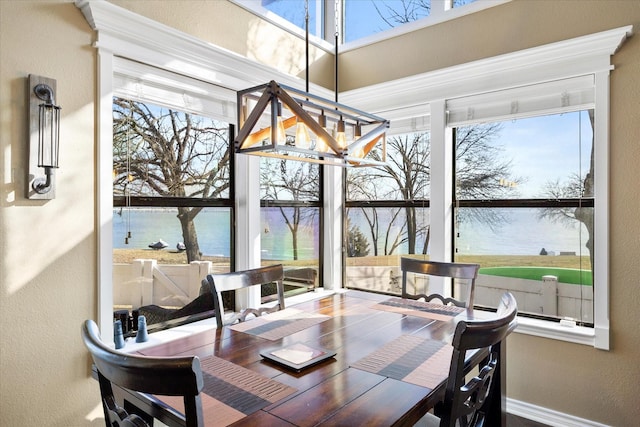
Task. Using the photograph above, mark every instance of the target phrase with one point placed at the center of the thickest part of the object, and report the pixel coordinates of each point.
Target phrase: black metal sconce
(44, 137)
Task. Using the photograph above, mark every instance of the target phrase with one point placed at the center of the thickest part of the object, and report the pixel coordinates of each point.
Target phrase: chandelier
(280, 121)
(275, 120)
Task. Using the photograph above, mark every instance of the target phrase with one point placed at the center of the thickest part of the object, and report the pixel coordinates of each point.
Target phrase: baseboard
(547, 416)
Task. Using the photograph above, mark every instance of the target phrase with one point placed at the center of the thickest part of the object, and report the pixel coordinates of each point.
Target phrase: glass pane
(160, 283)
(542, 255)
(289, 180)
(291, 232)
(161, 152)
(376, 239)
(405, 177)
(518, 247)
(459, 3)
(536, 158)
(136, 229)
(366, 17)
(294, 12)
(291, 236)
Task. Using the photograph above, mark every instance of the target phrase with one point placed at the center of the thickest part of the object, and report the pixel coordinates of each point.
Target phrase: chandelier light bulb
(303, 140)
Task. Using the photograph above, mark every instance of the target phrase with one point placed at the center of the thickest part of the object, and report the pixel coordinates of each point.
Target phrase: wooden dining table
(390, 366)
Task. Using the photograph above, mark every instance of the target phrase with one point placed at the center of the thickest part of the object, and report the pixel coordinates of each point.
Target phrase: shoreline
(163, 256)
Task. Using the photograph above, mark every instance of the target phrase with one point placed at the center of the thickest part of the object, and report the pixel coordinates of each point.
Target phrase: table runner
(280, 324)
(232, 391)
(427, 310)
(412, 359)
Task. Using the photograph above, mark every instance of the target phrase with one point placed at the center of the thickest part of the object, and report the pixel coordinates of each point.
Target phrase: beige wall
(48, 249)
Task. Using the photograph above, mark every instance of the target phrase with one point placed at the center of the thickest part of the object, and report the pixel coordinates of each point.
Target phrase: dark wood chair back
(468, 403)
(468, 272)
(241, 280)
(175, 376)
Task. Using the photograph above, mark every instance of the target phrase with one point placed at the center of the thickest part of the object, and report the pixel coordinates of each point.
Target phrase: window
(294, 11)
(524, 212)
(359, 19)
(387, 213)
(172, 195)
(541, 164)
(291, 215)
(364, 18)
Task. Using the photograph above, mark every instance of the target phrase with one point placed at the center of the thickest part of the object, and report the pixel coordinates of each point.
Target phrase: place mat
(232, 392)
(417, 308)
(274, 326)
(411, 359)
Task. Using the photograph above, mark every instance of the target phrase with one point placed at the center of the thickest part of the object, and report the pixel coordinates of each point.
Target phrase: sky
(363, 17)
(547, 148)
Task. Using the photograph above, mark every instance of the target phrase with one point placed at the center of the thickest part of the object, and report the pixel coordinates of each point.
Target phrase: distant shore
(165, 256)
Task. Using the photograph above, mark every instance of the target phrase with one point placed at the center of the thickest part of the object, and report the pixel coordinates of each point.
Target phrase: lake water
(522, 234)
(212, 226)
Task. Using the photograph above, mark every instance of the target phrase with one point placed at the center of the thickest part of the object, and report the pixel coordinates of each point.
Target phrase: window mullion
(441, 211)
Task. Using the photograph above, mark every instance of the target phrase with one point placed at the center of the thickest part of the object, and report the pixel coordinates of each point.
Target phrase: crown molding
(560, 60)
(133, 36)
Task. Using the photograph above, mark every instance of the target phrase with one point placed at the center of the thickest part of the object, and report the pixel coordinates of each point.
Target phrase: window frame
(122, 33)
(152, 86)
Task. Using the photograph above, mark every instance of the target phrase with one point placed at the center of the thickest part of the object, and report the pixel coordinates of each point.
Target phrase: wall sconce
(44, 137)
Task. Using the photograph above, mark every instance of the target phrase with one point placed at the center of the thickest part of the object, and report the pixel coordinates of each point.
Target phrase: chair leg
(497, 411)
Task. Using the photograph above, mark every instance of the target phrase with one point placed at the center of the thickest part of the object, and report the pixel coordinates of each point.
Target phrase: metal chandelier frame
(338, 135)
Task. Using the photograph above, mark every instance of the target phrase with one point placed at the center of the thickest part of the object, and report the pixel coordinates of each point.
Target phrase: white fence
(546, 296)
(145, 282)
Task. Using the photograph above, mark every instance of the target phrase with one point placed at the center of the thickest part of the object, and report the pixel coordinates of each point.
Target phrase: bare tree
(295, 181)
(359, 187)
(407, 177)
(480, 167)
(405, 11)
(159, 152)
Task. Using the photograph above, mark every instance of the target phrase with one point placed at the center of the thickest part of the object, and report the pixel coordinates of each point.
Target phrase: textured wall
(47, 248)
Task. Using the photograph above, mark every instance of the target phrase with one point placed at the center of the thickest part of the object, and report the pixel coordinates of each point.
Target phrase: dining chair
(175, 376)
(241, 280)
(470, 403)
(453, 270)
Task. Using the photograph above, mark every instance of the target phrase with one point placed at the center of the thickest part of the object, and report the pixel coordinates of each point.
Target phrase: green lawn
(565, 275)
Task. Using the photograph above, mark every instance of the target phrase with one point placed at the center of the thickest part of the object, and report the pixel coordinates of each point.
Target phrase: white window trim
(128, 35)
